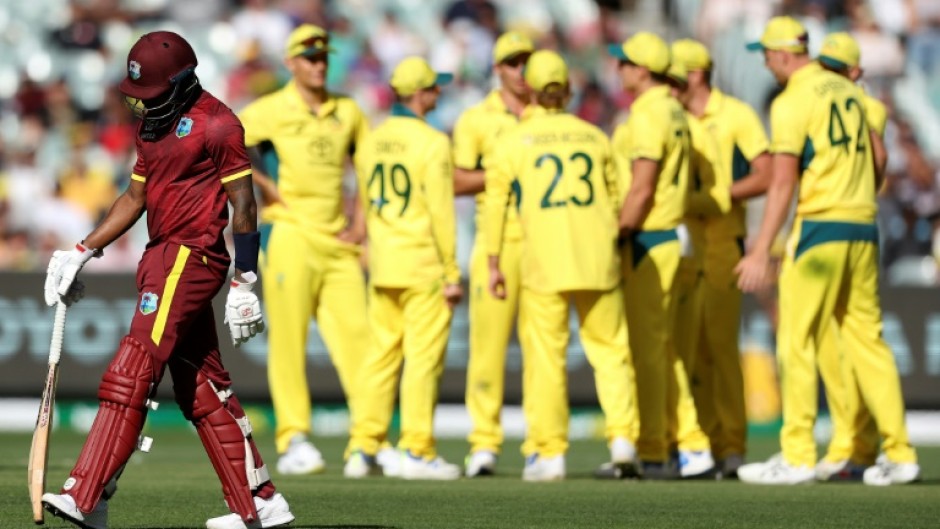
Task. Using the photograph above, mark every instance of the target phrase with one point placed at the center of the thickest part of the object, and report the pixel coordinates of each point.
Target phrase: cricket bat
(39, 451)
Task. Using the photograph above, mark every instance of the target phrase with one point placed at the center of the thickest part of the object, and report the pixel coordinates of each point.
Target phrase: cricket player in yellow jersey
(491, 321)
(406, 182)
(730, 164)
(651, 157)
(311, 253)
(854, 442)
(820, 144)
(566, 199)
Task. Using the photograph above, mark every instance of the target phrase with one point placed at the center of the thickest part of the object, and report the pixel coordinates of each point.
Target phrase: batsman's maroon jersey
(183, 172)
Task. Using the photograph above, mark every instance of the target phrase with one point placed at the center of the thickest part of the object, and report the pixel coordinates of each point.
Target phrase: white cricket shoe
(695, 464)
(538, 468)
(730, 466)
(301, 457)
(480, 463)
(390, 460)
(63, 506)
(360, 465)
(416, 467)
(776, 471)
(886, 472)
(843, 470)
(271, 513)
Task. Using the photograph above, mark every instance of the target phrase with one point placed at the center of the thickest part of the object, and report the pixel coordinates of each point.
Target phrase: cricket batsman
(191, 163)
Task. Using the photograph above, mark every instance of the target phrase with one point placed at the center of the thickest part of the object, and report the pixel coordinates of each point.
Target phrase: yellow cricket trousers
(719, 388)
(410, 326)
(683, 427)
(491, 324)
(854, 434)
(650, 262)
(307, 273)
(544, 333)
(830, 278)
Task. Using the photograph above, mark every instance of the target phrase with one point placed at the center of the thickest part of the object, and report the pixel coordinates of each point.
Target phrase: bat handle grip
(58, 331)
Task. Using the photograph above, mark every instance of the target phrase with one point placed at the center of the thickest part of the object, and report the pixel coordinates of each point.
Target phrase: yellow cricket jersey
(725, 140)
(656, 130)
(311, 150)
(876, 114)
(406, 181)
(820, 118)
(566, 195)
(476, 134)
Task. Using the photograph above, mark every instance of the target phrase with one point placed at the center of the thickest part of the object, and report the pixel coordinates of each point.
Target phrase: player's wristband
(246, 251)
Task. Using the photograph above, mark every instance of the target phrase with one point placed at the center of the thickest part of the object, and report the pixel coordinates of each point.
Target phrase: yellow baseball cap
(840, 51)
(643, 49)
(544, 68)
(692, 54)
(308, 40)
(413, 74)
(510, 44)
(678, 73)
(782, 33)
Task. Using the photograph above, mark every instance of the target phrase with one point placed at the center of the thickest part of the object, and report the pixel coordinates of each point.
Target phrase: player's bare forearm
(779, 194)
(244, 209)
(756, 183)
(266, 184)
(880, 158)
(123, 214)
(469, 181)
(641, 196)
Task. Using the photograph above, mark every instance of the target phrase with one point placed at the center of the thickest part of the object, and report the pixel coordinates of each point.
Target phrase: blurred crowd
(66, 139)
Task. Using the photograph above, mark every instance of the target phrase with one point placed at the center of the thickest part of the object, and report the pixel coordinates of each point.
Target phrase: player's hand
(753, 271)
(243, 310)
(497, 283)
(63, 268)
(453, 293)
(352, 235)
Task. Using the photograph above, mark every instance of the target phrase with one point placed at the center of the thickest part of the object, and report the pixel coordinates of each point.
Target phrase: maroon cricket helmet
(156, 62)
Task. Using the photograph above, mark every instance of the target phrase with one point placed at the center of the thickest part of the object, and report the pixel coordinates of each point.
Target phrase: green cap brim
(443, 79)
(617, 51)
(833, 63)
(754, 46)
(312, 52)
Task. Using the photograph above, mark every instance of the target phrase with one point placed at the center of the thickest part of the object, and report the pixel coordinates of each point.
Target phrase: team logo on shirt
(184, 128)
(148, 303)
(133, 69)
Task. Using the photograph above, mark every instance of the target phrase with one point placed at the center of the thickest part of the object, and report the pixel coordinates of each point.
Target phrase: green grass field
(174, 487)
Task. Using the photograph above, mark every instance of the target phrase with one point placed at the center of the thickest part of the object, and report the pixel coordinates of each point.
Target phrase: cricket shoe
(63, 506)
(480, 463)
(696, 464)
(886, 472)
(776, 471)
(360, 465)
(658, 471)
(417, 467)
(273, 512)
(730, 465)
(843, 470)
(301, 457)
(622, 464)
(390, 460)
(538, 468)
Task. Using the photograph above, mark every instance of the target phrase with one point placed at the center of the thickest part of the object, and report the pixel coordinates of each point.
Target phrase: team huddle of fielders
(642, 234)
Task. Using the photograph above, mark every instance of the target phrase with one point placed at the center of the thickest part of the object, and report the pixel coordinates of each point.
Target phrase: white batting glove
(243, 310)
(64, 266)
